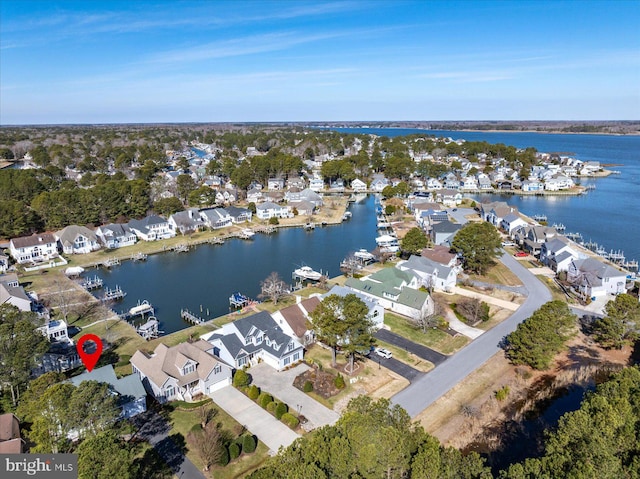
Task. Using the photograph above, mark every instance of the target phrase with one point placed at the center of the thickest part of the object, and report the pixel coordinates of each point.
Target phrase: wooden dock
(92, 283)
(188, 316)
(114, 294)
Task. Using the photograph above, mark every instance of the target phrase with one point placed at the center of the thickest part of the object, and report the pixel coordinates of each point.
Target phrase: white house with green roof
(396, 291)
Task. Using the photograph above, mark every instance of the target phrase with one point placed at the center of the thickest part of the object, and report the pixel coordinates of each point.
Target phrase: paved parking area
(280, 384)
(398, 367)
(419, 350)
(261, 423)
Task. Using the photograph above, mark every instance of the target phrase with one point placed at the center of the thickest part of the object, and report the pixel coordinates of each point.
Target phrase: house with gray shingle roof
(187, 221)
(116, 235)
(557, 254)
(442, 233)
(257, 337)
(181, 372)
(152, 228)
(12, 293)
(76, 239)
(34, 249)
(593, 278)
(376, 310)
(216, 218)
(131, 397)
(431, 273)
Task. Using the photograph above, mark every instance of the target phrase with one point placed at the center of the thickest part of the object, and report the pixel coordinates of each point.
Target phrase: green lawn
(432, 338)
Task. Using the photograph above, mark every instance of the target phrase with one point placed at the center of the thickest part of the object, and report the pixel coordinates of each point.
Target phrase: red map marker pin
(90, 357)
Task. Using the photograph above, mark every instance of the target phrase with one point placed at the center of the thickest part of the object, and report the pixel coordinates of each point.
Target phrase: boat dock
(216, 240)
(92, 283)
(540, 217)
(143, 308)
(238, 300)
(108, 263)
(149, 330)
(188, 316)
(114, 294)
(139, 256)
(181, 248)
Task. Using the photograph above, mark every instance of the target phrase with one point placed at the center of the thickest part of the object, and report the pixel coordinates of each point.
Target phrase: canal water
(203, 279)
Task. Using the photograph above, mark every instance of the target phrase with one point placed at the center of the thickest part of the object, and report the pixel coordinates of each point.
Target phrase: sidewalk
(258, 421)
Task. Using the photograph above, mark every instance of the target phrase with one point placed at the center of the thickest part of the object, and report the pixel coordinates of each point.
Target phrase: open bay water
(608, 215)
(202, 279)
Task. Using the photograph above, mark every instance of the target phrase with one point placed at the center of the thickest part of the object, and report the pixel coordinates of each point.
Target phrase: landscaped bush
(248, 444)
(502, 393)
(234, 451)
(281, 408)
(271, 407)
(273, 221)
(264, 399)
(308, 387)
(339, 382)
(224, 457)
(241, 379)
(290, 420)
(254, 392)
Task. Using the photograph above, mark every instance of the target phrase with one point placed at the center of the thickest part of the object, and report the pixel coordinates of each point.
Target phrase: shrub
(234, 451)
(271, 407)
(502, 393)
(224, 457)
(254, 392)
(241, 379)
(274, 221)
(290, 420)
(248, 444)
(339, 382)
(281, 408)
(264, 399)
(308, 387)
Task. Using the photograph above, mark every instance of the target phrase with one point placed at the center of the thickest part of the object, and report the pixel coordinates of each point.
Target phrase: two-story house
(76, 239)
(116, 235)
(152, 228)
(34, 249)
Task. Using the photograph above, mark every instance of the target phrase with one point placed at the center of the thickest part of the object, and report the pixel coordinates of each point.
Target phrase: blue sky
(199, 61)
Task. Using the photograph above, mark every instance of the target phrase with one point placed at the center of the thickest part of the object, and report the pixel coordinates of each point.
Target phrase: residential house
(379, 183)
(76, 239)
(433, 275)
(558, 254)
(434, 184)
(294, 319)
(275, 184)
(512, 221)
(10, 440)
(531, 238)
(56, 331)
(469, 183)
(226, 196)
(304, 208)
(268, 209)
(131, 397)
(441, 254)
(494, 212)
(12, 293)
(4, 263)
(593, 278)
(152, 228)
(532, 185)
(239, 215)
(449, 197)
(34, 249)
(254, 195)
(292, 194)
(273, 196)
(187, 221)
(116, 235)
(311, 196)
(375, 312)
(181, 372)
(442, 233)
(257, 337)
(451, 182)
(358, 186)
(216, 218)
(337, 185)
(484, 183)
(316, 184)
(394, 290)
(296, 182)
(558, 182)
(61, 356)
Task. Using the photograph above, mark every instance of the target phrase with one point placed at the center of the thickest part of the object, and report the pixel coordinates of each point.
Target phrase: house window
(189, 368)
(170, 392)
(287, 360)
(375, 313)
(291, 346)
(217, 369)
(296, 356)
(242, 361)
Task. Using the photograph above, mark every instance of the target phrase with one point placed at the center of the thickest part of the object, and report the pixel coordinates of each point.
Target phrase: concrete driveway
(419, 350)
(280, 385)
(261, 423)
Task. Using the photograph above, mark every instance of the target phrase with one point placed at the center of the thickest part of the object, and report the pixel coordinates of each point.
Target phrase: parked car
(521, 254)
(508, 243)
(383, 353)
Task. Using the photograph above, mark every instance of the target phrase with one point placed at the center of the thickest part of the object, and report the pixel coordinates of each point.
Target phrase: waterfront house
(239, 215)
(257, 337)
(56, 331)
(312, 197)
(181, 372)
(131, 396)
(375, 312)
(531, 238)
(484, 183)
(34, 249)
(379, 183)
(448, 197)
(593, 278)
(532, 185)
(496, 211)
(469, 183)
(512, 221)
(61, 356)
(434, 184)
(358, 186)
(216, 218)
(76, 239)
(152, 228)
(254, 195)
(273, 196)
(433, 275)
(294, 319)
(316, 184)
(558, 254)
(187, 221)
(12, 293)
(337, 185)
(268, 209)
(292, 194)
(558, 182)
(116, 235)
(275, 184)
(10, 440)
(442, 233)
(394, 290)
(304, 208)
(451, 182)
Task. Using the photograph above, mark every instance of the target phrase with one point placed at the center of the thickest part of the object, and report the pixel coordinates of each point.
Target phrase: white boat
(383, 225)
(364, 255)
(386, 240)
(305, 272)
(248, 232)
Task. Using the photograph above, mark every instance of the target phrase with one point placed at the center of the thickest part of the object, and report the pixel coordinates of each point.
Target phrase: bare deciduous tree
(273, 288)
(473, 310)
(206, 414)
(208, 444)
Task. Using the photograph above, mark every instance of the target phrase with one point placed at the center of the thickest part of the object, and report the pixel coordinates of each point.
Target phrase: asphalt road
(428, 388)
(415, 348)
(398, 367)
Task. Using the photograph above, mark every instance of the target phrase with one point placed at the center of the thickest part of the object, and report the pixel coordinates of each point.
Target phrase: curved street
(425, 390)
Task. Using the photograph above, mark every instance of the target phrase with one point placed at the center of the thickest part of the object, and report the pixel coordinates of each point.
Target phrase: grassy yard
(182, 422)
(432, 338)
(498, 274)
